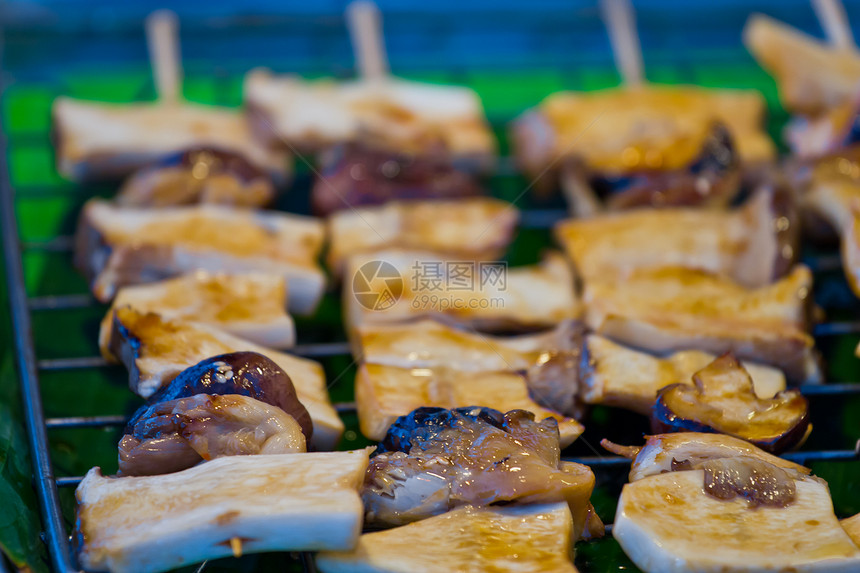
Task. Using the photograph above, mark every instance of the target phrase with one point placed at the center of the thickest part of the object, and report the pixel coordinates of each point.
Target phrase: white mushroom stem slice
(119, 246)
(515, 539)
(635, 129)
(480, 294)
(851, 250)
(249, 305)
(105, 140)
(472, 228)
(155, 350)
(384, 393)
(428, 343)
(667, 523)
(811, 76)
(287, 502)
(745, 243)
(670, 309)
(616, 375)
(833, 188)
(852, 526)
(399, 114)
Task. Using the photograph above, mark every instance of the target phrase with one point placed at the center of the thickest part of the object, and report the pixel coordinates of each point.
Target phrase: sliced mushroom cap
(711, 179)
(198, 175)
(757, 481)
(689, 450)
(244, 373)
(178, 434)
(723, 401)
(360, 174)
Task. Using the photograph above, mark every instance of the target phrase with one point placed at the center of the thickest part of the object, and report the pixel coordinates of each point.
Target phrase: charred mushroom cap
(188, 177)
(359, 174)
(712, 177)
(215, 159)
(244, 373)
(786, 225)
(760, 483)
(723, 401)
(430, 420)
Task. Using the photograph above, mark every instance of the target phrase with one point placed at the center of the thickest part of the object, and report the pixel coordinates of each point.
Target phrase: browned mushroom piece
(203, 414)
(722, 400)
(359, 174)
(198, 175)
(711, 179)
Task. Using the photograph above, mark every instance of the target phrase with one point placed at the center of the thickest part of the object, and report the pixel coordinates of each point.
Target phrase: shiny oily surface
(756, 481)
(534, 538)
(181, 433)
(667, 523)
(434, 460)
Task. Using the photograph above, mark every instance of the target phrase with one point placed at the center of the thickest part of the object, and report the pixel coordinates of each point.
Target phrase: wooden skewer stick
(831, 14)
(236, 546)
(365, 30)
(162, 39)
(620, 21)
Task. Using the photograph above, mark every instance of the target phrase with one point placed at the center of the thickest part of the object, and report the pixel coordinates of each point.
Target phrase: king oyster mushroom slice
(710, 180)
(615, 375)
(673, 308)
(485, 295)
(714, 503)
(396, 114)
(156, 350)
(851, 249)
(117, 246)
(754, 244)
(478, 228)
(722, 400)
(852, 526)
(384, 393)
(669, 122)
(249, 305)
(549, 359)
(522, 539)
(671, 523)
(96, 140)
(228, 506)
(812, 76)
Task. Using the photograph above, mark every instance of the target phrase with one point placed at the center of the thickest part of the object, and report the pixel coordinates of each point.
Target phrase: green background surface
(47, 207)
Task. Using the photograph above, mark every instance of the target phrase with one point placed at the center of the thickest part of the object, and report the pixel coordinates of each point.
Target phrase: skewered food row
(467, 416)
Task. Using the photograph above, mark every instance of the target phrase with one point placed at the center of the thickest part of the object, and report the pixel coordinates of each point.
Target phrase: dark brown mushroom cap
(244, 373)
(723, 401)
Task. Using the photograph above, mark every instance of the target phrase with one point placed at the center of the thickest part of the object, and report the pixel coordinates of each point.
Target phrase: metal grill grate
(30, 366)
